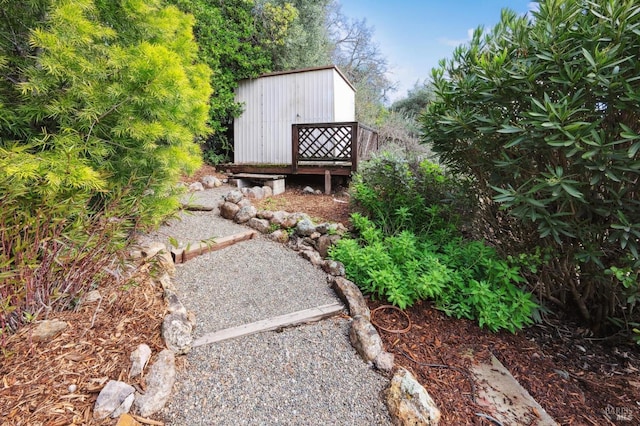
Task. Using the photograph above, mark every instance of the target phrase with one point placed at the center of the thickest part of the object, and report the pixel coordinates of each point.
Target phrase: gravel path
(307, 375)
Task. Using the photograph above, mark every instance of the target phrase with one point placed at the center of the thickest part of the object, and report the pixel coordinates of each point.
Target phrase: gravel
(249, 281)
(301, 375)
(307, 375)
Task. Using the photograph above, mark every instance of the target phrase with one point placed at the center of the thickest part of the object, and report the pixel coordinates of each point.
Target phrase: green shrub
(543, 113)
(100, 104)
(407, 194)
(466, 280)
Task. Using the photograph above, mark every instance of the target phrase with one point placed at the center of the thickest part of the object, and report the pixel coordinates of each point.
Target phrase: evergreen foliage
(543, 113)
(100, 104)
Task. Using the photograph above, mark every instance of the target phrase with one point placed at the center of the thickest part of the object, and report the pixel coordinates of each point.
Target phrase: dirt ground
(578, 379)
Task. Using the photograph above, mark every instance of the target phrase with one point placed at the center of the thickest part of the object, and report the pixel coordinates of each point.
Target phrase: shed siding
(345, 100)
(262, 134)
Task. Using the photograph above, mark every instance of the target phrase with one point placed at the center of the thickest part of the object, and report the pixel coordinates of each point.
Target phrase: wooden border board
(197, 249)
(295, 318)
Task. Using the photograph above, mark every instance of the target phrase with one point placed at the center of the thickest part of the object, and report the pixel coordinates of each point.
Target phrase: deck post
(295, 142)
(327, 182)
(354, 147)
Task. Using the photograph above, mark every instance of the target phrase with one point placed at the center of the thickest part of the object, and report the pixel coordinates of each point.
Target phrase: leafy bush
(466, 280)
(100, 103)
(543, 113)
(407, 194)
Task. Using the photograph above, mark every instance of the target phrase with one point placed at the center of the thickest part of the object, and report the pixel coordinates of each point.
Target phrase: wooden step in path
(295, 318)
(181, 255)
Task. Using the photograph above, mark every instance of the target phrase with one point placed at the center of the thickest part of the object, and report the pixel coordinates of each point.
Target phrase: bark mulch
(57, 382)
(577, 379)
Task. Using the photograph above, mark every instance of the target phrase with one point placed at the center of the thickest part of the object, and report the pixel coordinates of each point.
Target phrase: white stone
(139, 359)
(47, 330)
(160, 380)
(110, 398)
(409, 403)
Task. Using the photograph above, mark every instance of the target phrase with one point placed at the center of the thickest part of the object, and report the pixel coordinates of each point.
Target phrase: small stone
(210, 181)
(265, 214)
(308, 190)
(409, 403)
(139, 359)
(325, 242)
(255, 193)
(196, 186)
(160, 380)
(245, 202)
(365, 339)
(110, 398)
(92, 296)
(312, 256)
(292, 220)
(73, 388)
(278, 218)
(47, 330)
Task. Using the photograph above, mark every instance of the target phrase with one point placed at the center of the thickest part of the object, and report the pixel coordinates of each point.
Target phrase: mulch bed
(576, 379)
(94, 348)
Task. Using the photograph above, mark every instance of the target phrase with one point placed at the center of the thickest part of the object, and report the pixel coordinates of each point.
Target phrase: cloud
(456, 42)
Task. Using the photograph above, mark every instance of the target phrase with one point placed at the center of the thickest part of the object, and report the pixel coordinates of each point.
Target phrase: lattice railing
(332, 142)
(325, 142)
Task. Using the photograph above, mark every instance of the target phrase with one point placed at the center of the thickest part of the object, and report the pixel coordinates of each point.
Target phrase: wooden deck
(321, 148)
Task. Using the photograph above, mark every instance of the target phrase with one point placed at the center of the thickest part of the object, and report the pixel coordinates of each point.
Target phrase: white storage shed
(274, 102)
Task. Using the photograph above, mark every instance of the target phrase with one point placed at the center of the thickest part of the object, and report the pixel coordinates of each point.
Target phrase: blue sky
(415, 34)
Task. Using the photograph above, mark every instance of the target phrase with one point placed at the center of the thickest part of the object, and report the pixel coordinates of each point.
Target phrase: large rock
(255, 193)
(111, 397)
(351, 296)
(139, 359)
(365, 339)
(245, 214)
(124, 407)
(292, 220)
(312, 256)
(234, 196)
(228, 210)
(177, 332)
(409, 403)
(280, 236)
(268, 191)
(305, 227)
(261, 225)
(160, 380)
(324, 243)
(47, 330)
(278, 217)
